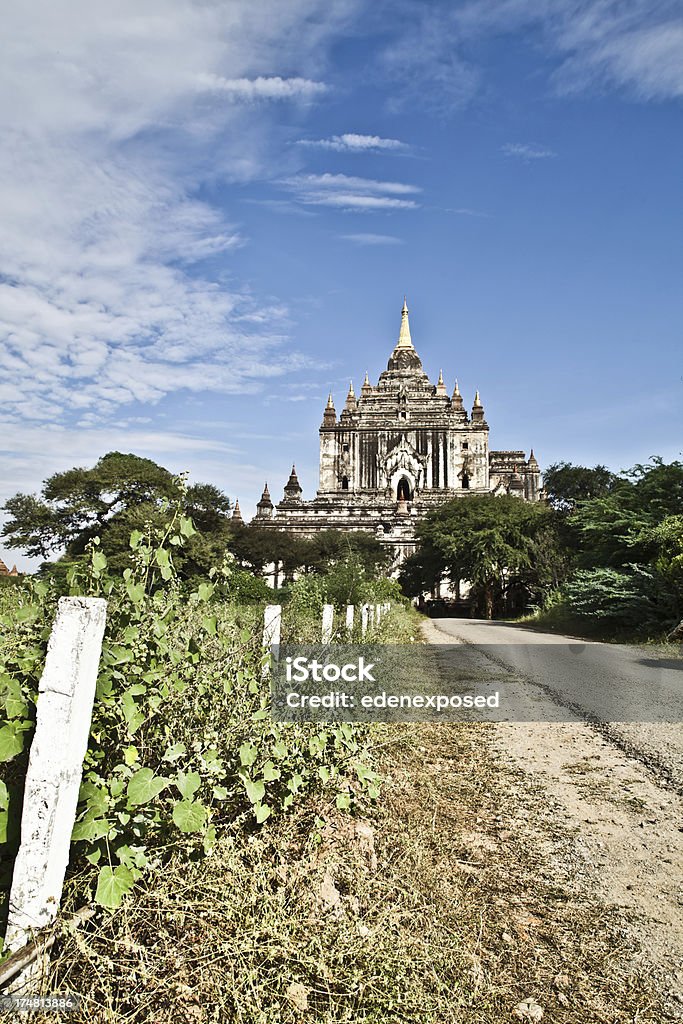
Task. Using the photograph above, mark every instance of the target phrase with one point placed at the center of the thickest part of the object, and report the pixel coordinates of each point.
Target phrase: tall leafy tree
(487, 540)
(615, 529)
(566, 484)
(120, 493)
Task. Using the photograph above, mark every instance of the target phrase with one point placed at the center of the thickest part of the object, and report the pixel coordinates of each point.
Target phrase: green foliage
(386, 589)
(615, 530)
(237, 585)
(182, 742)
(119, 495)
(347, 582)
(481, 538)
(550, 557)
(256, 547)
(566, 484)
(634, 597)
(306, 597)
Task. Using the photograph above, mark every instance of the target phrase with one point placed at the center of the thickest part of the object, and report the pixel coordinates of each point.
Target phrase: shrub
(182, 739)
(633, 597)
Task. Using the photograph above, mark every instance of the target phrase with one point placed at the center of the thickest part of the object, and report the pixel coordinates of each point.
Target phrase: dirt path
(628, 828)
(626, 819)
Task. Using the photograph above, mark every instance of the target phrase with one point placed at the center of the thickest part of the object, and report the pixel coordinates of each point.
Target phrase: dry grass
(456, 900)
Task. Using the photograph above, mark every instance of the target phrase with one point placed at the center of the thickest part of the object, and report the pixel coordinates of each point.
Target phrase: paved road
(633, 696)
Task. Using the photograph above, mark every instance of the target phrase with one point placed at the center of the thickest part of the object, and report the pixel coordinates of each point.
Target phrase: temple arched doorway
(403, 491)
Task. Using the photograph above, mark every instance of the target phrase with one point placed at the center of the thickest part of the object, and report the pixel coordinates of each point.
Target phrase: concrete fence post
(328, 624)
(364, 619)
(379, 611)
(371, 616)
(64, 713)
(349, 617)
(272, 623)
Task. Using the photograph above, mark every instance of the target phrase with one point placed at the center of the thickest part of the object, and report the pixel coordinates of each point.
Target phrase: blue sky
(211, 213)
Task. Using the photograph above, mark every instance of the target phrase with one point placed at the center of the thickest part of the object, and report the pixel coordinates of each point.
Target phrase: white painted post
(379, 611)
(371, 616)
(349, 618)
(272, 622)
(53, 779)
(328, 620)
(364, 619)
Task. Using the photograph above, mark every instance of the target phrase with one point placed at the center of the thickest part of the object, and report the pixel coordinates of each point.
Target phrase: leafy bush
(346, 583)
(633, 597)
(182, 739)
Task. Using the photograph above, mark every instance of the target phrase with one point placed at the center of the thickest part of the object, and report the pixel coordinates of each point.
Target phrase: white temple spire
(404, 339)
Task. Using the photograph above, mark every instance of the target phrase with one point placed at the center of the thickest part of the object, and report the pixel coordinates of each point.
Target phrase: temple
(395, 451)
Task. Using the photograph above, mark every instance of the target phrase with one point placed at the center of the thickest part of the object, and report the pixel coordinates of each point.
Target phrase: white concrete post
(379, 610)
(272, 622)
(328, 621)
(349, 618)
(364, 619)
(53, 779)
(371, 616)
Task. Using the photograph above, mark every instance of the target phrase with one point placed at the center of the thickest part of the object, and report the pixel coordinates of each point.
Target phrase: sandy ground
(626, 815)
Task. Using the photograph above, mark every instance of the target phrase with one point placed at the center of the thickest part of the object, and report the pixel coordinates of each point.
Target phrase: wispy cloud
(112, 117)
(426, 61)
(366, 238)
(465, 211)
(353, 143)
(262, 88)
(305, 182)
(627, 52)
(631, 45)
(350, 193)
(527, 151)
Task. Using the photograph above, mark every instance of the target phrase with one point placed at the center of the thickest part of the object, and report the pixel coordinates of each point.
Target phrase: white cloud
(647, 59)
(632, 45)
(353, 143)
(351, 193)
(367, 238)
(112, 117)
(527, 151)
(304, 182)
(262, 88)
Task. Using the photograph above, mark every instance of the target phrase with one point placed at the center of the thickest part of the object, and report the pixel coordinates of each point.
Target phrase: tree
(330, 547)
(256, 547)
(566, 484)
(484, 539)
(119, 494)
(616, 529)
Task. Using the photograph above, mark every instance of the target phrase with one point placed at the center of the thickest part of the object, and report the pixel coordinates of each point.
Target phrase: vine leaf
(255, 790)
(190, 816)
(188, 784)
(145, 786)
(112, 885)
